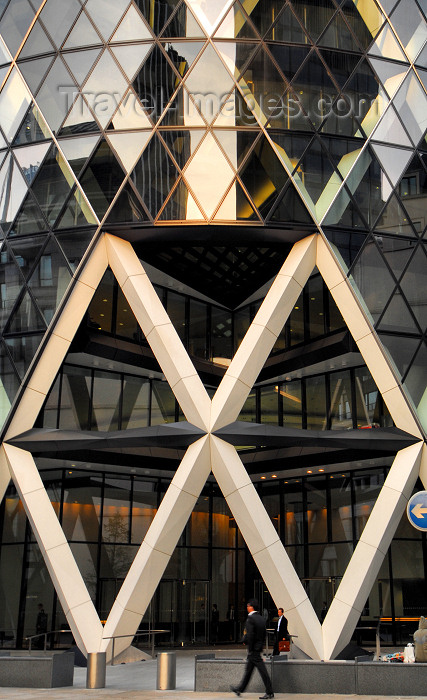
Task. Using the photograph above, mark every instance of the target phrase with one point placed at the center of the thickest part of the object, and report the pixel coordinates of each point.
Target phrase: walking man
(254, 640)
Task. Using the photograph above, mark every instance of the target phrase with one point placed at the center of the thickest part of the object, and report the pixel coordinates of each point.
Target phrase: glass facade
(227, 132)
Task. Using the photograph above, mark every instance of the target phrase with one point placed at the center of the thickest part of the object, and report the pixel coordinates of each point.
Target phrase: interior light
(309, 471)
(263, 477)
(321, 470)
(105, 300)
(274, 476)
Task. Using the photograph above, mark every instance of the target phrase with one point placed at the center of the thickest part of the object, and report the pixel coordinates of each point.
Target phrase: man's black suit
(254, 640)
(281, 633)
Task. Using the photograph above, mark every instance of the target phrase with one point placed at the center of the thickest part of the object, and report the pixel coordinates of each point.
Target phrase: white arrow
(419, 511)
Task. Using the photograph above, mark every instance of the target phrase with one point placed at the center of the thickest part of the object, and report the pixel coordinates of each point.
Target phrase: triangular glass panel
(394, 219)
(22, 351)
(413, 192)
(183, 24)
(415, 379)
(13, 189)
(78, 150)
(340, 65)
(365, 20)
(235, 56)
(5, 57)
(184, 54)
(397, 318)
(37, 43)
(155, 14)
(127, 208)
(9, 381)
(34, 71)
(29, 219)
(15, 23)
(263, 13)
(236, 25)
(30, 159)
(372, 278)
(289, 59)
(290, 209)
(390, 129)
(130, 114)
(340, 118)
(52, 184)
(337, 35)
(401, 349)
(347, 243)
(413, 286)
(411, 105)
(182, 144)
(158, 72)
(74, 245)
(411, 28)
(344, 212)
(77, 212)
(79, 120)
(50, 279)
(57, 81)
(104, 102)
(175, 208)
(81, 62)
(208, 14)
(393, 161)
(313, 66)
(316, 174)
(236, 206)
(209, 187)
(242, 145)
(82, 34)
(263, 175)
(365, 91)
(131, 57)
(397, 252)
(26, 317)
(390, 74)
(386, 46)
(27, 252)
(67, 10)
(369, 185)
(315, 20)
(287, 28)
(129, 146)
(154, 175)
(33, 128)
(102, 178)
(106, 14)
(14, 102)
(9, 270)
(289, 146)
(132, 27)
(422, 58)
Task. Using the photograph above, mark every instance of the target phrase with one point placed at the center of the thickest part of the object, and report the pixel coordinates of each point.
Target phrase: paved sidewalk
(138, 680)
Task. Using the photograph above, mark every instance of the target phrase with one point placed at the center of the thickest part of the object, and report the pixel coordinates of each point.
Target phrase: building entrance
(183, 607)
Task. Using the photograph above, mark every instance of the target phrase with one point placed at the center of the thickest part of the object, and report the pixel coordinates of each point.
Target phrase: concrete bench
(55, 671)
(317, 677)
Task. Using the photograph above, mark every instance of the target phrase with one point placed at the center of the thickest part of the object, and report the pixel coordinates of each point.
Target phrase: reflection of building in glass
(181, 182)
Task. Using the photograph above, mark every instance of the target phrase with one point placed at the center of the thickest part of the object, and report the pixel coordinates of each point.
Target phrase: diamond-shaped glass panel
(103, 101)
(415, 381)
(14, 102)
(154, 175)
(77, 212)
(314, 17)
(411, 104)
(373, 279)
(102, 178)
(50, 279)
(37, 43)
(132, 27)
(413, 285)
(236, 25)
(53, 96)
(337, 34)
(106, 14)
(26, 318)
(287, 28)
(81, 62)
(23, 349)
(26, 252)
(208, 186)
(394, 219)
(127, 207)
(67, 10)
(183, 24)
(30, 159)
(397, 317)
(11, 283)
(13, 189)
(155, 83)
(33, 128)
(263, 175)
(34, 71)
(290, 208)
(29, 219)
(52, 185)
(15, 23)
(411, 27)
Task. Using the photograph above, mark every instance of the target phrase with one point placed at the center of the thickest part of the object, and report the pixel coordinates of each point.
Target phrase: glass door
(183, 607)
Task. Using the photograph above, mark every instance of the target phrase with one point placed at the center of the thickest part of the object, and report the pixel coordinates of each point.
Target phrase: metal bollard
(96, 668)
(166, 670)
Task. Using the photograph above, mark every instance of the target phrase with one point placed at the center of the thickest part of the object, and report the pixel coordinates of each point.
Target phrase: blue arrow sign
(417, 510)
